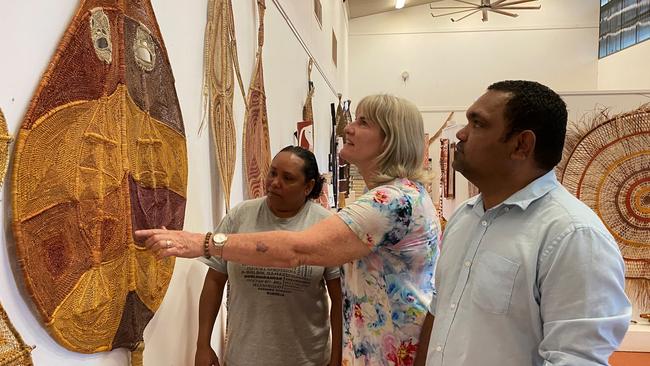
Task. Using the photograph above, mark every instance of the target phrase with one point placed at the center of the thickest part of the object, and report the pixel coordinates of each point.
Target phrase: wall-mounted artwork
(100, 153)
(444, 168)
(13, 350)
(306, 135)
(335, 49)
(220, 67)
(451, 172)
(606, 164)
(318, 12)
(305, 129)
(257, 147)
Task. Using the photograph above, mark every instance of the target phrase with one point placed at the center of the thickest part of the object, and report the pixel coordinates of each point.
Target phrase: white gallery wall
(450, 64)
(31, 30)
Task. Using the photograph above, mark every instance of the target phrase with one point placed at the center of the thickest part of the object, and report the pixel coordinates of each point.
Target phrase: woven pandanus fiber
(341, 121)
(13, 351)
(606, 164)
(5, 139)
(257, 147)
(220, 58)
(101, 153)
(307, 109)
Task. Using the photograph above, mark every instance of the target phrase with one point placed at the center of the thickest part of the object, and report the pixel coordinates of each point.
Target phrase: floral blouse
(387, 293)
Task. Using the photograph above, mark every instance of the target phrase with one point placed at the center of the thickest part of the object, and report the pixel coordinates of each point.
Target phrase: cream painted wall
(31, 31)
(451, 63)
(626, 69)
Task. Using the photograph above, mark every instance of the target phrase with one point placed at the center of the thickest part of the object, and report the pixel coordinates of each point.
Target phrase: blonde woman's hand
(167, 243)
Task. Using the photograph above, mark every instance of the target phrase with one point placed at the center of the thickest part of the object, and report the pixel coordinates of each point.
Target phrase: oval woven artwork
(101, 153)
(606, 164)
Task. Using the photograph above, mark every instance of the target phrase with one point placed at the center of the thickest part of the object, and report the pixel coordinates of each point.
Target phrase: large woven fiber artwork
(5, 139)
(13, 351)
(220, 63)
(606, 164)
(257, 147)
(101, 153)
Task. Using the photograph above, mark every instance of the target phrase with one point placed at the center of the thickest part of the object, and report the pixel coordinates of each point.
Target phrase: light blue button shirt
(535, 280)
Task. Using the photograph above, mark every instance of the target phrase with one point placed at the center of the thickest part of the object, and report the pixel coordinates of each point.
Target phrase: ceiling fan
(499, 6)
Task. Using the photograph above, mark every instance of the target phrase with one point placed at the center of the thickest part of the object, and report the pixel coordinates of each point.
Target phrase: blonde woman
(386, 241)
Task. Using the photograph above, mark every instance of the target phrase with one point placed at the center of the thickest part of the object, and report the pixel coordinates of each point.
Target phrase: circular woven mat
(607, 166)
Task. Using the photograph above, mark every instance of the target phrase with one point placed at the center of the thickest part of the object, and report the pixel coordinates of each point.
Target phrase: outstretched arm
(328, 243)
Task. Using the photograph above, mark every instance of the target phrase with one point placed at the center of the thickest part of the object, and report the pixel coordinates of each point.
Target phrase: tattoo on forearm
(261, 247)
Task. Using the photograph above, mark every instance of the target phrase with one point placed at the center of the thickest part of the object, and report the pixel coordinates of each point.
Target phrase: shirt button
(507, 209)
(439, 348)
(484, 223)
(453, 306)
(468, 263)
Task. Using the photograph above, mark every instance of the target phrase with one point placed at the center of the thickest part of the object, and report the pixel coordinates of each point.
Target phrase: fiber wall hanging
(5, 139)
(101, 153)
(305, 128)
(13, 351)
(220, 58)
(606, 164)
(257, 149)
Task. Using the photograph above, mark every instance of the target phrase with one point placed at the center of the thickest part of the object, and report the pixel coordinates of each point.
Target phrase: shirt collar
(527, 195)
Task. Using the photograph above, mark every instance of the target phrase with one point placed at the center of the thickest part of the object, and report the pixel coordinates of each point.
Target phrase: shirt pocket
(494, 279)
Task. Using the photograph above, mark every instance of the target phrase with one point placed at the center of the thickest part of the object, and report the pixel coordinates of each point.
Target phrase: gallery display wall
(31, 32)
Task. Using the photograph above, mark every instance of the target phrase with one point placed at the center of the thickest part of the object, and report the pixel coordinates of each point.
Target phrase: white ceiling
(362, 8)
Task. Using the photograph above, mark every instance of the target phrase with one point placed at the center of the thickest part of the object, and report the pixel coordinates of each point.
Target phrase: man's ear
(524, 145)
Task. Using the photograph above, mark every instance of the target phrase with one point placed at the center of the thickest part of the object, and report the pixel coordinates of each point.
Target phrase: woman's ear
(309, 186)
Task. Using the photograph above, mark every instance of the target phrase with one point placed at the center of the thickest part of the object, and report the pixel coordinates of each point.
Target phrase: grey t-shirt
(277, 316)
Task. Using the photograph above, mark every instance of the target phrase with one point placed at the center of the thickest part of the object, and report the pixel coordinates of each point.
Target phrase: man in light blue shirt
(528, 274)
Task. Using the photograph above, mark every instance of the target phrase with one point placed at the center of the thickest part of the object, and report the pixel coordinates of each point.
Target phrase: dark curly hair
(309, 169)
(533, 106)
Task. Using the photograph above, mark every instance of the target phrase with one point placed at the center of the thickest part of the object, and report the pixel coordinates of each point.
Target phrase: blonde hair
(404, 146)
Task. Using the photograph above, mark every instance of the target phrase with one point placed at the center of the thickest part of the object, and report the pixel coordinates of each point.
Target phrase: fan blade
(459, 19)
(468, 3)
(496, 3)
(504, 13)
(445, 14)
(520, 7)
(450, 7)
(508, 3)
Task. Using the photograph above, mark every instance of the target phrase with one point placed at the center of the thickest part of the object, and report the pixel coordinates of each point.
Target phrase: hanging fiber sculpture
(606, 164)
(257, 147)
(307, 109)
(101, 153)
(340, 120)
(13, 351)
(306, 126)
(5, 140)
(220, 58)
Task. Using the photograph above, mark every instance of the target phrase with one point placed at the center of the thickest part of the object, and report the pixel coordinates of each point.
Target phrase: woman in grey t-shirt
(276, 316)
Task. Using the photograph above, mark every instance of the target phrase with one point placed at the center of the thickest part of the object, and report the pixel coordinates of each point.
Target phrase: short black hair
(309, 169)
(533, 106)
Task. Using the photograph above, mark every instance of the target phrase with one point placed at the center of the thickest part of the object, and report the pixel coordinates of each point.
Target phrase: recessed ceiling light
(399, 4)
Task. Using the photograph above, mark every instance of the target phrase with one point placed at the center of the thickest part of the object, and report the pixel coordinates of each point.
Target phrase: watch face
(219, 238)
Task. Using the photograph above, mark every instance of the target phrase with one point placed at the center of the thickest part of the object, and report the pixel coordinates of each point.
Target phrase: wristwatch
(219, 241)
